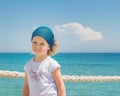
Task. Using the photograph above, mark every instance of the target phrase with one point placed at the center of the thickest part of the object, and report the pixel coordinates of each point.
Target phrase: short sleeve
(54, 65)
(25, 67)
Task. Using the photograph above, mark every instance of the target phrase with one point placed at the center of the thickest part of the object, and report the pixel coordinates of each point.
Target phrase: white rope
(15, 74)
(11, 74)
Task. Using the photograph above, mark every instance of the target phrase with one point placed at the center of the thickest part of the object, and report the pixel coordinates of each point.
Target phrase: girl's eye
(42, 44)
(34, 43)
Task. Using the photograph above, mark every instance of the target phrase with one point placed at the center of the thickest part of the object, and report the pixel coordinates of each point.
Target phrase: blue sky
(79, 25)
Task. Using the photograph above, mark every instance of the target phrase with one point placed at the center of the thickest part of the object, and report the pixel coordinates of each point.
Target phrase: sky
(78, 25)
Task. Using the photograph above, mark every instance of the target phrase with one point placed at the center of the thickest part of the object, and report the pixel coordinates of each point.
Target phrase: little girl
(42, 73)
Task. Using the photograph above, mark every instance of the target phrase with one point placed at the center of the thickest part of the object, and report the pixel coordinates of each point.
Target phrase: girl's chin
(39, 54)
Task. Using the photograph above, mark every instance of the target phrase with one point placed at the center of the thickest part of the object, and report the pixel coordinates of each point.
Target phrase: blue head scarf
(46, 33)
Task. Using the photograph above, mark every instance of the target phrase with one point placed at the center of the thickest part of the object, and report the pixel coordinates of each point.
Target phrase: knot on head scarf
(46, 33)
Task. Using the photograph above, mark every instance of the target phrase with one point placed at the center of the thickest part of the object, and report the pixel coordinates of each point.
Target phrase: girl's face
(40, 46)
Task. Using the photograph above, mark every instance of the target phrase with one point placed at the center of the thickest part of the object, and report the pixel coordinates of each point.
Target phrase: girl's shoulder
(29, 62)
(27, 65)
(53, 64)
(52, 60)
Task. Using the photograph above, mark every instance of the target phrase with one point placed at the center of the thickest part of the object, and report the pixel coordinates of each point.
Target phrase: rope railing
(15, 74)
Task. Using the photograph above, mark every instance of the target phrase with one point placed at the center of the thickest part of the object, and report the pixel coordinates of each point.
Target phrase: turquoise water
(71, 64)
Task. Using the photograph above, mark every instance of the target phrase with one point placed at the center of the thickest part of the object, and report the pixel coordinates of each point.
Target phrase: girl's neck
(40, 58)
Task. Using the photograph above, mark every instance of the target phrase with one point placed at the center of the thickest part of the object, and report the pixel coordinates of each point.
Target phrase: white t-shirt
(40, 78)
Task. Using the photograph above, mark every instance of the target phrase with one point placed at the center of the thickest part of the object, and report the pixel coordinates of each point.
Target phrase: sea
(80, 64)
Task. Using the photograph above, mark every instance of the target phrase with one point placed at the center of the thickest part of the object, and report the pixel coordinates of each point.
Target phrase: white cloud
(78, 30)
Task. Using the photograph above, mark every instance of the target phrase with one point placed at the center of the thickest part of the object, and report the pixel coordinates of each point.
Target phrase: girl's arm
(25, 91)
(59, 82)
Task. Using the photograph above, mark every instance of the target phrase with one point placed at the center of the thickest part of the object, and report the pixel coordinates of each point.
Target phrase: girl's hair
(54, 49)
